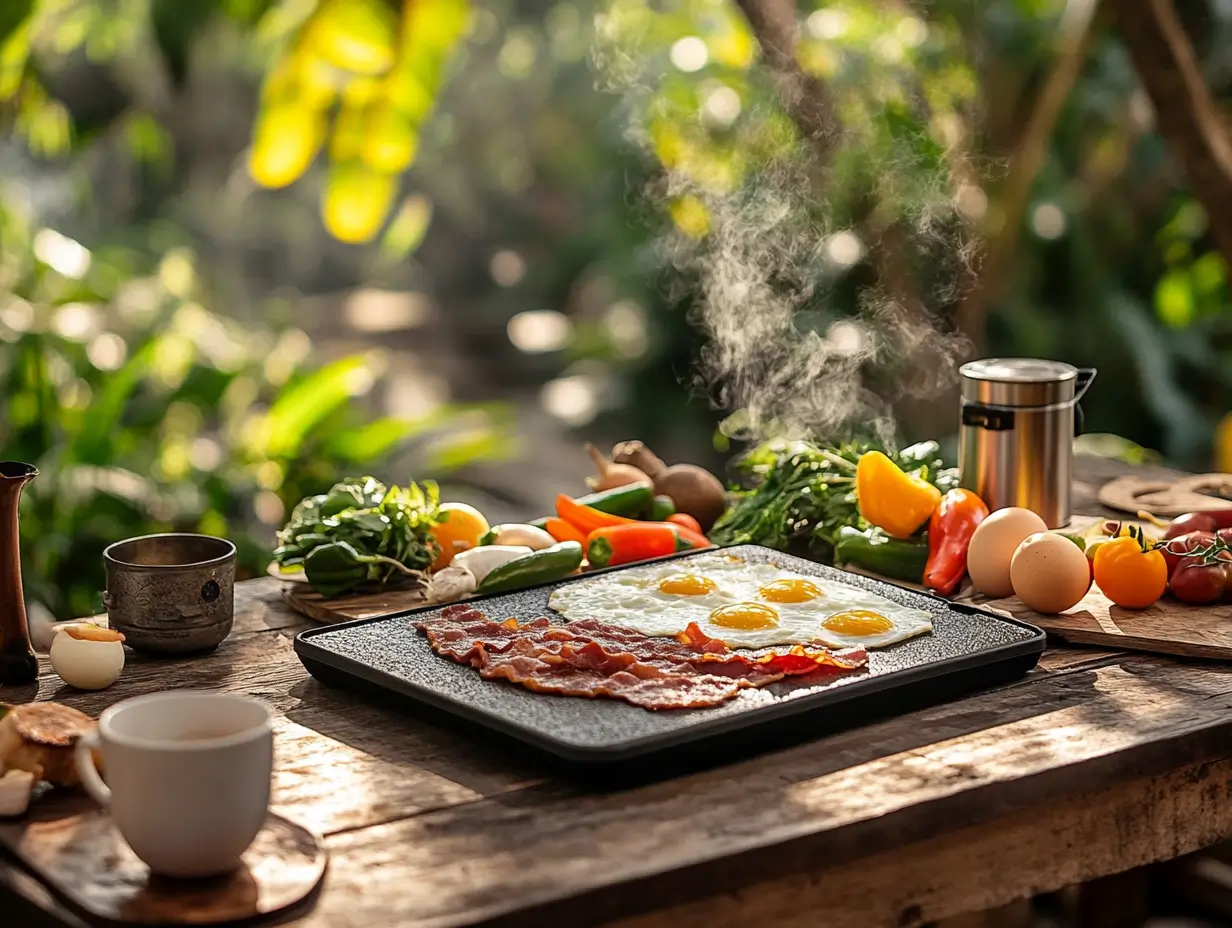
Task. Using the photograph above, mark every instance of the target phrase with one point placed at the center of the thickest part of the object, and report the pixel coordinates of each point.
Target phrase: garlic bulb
(451, 583)
(87, 656)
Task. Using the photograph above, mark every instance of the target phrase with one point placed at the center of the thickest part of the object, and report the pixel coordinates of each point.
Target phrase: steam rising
(766, 278)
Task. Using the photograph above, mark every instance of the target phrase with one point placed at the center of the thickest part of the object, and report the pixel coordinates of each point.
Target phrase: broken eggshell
(87, 656)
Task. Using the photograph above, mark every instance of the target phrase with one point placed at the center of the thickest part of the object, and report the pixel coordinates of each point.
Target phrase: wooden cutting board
(301, 598)
(1168, 627)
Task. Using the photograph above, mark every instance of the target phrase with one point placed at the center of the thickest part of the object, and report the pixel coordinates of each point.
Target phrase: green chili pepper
(660, 508)
(875, 551)
(335, 568)
(632, 501)
(544, 566)
(635, 501)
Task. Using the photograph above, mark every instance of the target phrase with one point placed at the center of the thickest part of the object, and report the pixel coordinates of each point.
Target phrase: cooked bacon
(593, 658)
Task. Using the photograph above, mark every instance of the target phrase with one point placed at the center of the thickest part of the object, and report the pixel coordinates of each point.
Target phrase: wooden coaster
(81, 857)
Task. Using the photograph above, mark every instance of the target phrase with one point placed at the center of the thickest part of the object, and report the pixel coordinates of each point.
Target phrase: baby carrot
(561, 530)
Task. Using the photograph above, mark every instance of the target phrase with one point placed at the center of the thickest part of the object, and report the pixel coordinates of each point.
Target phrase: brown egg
(992, 547)
(1050, 573)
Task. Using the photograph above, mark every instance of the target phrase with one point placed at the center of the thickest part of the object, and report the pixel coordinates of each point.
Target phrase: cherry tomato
(1179, 546)
(1190, 522)
(1129, 576)
(1197, 583)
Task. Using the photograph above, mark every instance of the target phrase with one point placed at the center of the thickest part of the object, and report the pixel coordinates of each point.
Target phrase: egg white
(632, 598)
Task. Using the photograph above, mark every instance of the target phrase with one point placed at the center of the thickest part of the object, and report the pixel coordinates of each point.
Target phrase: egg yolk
(687, 585)
(788, 590)
(745, 616)
(858, 622)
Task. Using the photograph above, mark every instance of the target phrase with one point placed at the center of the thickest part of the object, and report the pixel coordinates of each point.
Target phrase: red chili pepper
(695, 539)
(950, 529)
(623, 544)
(687, 521)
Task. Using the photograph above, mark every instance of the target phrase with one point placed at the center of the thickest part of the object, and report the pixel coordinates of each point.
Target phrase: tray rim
(308, 650)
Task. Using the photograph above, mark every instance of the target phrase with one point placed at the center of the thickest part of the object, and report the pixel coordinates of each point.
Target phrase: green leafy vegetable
(803, 495)
(361, 534)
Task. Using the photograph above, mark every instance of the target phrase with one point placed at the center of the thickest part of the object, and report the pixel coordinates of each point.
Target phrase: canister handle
(1082, 383)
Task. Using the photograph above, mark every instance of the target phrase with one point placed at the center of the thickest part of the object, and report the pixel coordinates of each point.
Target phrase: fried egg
(744, 605)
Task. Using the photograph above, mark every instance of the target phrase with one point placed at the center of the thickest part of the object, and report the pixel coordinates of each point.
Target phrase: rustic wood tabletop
(1096, 762)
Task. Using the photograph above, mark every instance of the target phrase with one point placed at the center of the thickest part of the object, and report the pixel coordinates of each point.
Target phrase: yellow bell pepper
(892, 499)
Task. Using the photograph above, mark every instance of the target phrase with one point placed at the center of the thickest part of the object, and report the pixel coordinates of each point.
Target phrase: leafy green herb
(361, 534)
(803, 495)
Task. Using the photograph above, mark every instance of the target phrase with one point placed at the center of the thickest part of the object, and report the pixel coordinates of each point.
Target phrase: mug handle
(98, 790)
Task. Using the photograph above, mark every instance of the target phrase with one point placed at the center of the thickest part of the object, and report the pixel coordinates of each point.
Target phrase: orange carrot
(584, 518)
(561, 530)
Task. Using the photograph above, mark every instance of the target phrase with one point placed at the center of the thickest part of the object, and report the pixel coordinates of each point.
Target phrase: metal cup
(172, 593)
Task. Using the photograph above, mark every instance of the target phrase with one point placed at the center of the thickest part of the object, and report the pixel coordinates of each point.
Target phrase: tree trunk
(1185, 110)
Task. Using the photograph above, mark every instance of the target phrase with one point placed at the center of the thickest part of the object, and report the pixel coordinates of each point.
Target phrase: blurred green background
(248, 247)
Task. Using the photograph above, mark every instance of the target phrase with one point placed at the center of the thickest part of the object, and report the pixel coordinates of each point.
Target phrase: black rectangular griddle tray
(969, 648)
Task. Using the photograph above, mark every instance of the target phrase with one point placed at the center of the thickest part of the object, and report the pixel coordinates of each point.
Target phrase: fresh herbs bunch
(803, 494)
(361, 534)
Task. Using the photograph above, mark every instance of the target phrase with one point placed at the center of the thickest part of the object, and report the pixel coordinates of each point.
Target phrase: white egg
(88, 657)
(745, 605)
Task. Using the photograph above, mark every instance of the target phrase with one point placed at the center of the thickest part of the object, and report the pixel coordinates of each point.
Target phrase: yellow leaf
(390, 142)
(356, 201)
(355, 35)
(407, 229)
(438, 23)
(286, 140)
(362, 91)
(733, 47)
(690, 215)
(346, 143)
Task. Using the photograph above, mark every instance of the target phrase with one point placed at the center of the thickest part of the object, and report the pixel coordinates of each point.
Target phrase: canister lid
(1018, 381)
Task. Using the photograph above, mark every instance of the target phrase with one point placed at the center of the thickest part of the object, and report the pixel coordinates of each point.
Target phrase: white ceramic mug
(188, 777)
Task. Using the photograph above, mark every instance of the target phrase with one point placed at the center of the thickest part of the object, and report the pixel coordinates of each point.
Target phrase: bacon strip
(593, 658)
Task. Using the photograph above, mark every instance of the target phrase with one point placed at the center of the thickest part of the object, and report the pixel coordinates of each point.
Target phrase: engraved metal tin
(172, 593)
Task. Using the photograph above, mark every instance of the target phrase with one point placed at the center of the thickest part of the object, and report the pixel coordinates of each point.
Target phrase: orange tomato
(1129, 576)
(461, 527)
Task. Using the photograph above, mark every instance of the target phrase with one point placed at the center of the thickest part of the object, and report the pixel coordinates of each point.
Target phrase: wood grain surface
(1095, 762)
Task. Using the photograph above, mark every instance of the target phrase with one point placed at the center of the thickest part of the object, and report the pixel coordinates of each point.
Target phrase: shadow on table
(436, 741)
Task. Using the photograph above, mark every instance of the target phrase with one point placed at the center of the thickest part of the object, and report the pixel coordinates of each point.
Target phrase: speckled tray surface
(391, 653)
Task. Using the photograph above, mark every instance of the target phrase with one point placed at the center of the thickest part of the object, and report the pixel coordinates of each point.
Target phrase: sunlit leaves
(407, 229)
(690, 215)
(356, 201)
(1192, 287)
(360, 77)
(286, 140)
(353, 35)
(1174, 299)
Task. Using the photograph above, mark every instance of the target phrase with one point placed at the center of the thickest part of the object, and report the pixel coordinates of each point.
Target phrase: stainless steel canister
(1019, 419)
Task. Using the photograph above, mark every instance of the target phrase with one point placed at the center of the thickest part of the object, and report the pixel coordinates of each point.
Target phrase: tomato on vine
(1130, 572)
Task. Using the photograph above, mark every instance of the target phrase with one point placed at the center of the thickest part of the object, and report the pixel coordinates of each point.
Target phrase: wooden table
(1095, 763)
